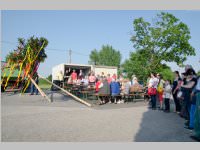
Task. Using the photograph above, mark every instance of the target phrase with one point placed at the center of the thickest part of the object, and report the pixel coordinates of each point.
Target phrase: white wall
(99, 70)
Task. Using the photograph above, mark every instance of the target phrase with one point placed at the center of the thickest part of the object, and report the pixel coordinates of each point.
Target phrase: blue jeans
(197, 116)
(192, 112)
(187, 102)
(34, 89)
(153, 101)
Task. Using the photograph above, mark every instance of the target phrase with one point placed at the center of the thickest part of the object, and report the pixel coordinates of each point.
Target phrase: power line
(62, 50)
(51, 49)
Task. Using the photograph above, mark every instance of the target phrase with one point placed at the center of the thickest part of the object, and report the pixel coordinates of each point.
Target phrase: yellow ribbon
(11, 72)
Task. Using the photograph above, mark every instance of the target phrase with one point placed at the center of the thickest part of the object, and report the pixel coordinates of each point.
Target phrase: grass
(43, 84)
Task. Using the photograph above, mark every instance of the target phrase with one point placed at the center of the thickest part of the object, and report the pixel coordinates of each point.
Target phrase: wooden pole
(68, 93)
(40, 90)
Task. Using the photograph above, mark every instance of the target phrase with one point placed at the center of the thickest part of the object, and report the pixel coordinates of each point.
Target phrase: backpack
(160, 88)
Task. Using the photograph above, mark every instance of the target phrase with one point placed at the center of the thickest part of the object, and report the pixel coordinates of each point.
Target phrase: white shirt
(153, 82)
(156, 81)
(167, 91)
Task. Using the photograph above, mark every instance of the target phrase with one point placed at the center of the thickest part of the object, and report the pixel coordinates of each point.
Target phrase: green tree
(94, 57)
(107, 56)
(198, 73)
(49, 77)
(165, 40)
(167, 73)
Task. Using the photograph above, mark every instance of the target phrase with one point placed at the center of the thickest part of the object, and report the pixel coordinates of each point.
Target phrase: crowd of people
(184, 91)
(111, 85)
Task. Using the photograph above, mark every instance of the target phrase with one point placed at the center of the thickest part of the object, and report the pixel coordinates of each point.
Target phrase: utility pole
(70, 54)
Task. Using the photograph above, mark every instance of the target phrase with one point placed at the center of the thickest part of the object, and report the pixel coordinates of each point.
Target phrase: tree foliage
(166, 39)
(107, 56)
(198, 73)
(94, 57)
(34, 44)
(49, 77)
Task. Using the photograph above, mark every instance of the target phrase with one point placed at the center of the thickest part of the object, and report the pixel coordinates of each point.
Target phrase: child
(167, 95)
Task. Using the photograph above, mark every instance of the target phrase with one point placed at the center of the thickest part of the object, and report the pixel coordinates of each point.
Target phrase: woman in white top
(153, 83)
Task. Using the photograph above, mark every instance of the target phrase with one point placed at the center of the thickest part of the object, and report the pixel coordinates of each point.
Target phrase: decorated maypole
(26, 58)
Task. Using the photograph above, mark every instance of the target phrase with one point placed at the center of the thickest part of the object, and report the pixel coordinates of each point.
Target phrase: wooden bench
(101, 95)
(84, 94)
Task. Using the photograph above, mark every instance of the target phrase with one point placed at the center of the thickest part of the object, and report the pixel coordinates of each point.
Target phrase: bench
(102, 95)
(133, 96)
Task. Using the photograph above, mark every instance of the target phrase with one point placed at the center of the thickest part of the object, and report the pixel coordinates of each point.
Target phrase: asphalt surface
(33, 119)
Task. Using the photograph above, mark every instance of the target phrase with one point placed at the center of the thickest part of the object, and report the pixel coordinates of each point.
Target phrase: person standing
(153, 82)
(183, 112)
(160, 90)
(196, 93)
(33, 88)
(176, 86)
(74, 76)
(167, 95)
(80, 75)
(191, 82)
(66, 76)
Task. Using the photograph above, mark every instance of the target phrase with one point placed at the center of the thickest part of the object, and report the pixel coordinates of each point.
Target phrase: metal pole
(70, 53)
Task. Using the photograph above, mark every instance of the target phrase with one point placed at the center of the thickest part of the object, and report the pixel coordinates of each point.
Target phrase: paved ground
(31, 118)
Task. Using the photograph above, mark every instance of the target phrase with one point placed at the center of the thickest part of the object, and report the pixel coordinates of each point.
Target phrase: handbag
(151, 91)
(160, 89)
(179, 94)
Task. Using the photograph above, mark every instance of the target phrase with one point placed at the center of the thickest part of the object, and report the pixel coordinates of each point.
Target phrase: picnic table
(131, 97)
(87, 92)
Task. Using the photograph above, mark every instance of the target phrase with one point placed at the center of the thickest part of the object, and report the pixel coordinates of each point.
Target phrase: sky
(84, 31)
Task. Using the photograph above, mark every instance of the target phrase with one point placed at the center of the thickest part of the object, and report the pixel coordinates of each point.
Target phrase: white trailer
(85, 68)
(69, 67)
(105, 69)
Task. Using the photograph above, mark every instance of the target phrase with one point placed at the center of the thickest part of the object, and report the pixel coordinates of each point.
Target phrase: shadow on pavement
(159, 126)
